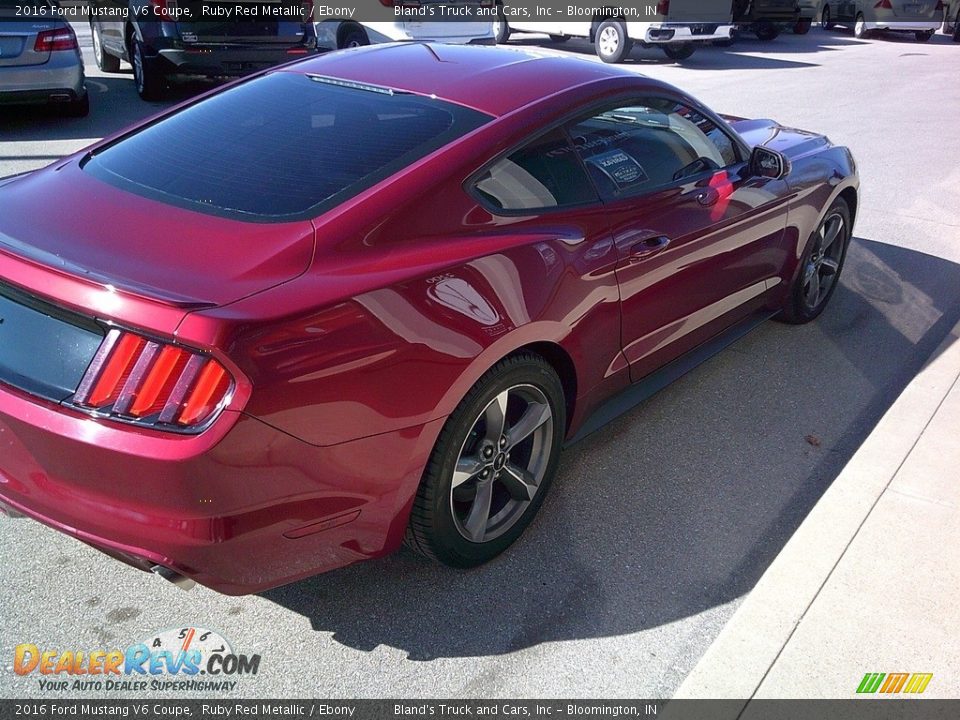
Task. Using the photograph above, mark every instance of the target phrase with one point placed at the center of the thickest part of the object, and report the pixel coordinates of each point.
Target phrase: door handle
(649, 246)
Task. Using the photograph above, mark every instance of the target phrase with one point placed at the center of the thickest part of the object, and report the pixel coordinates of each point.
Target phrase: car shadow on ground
(114, 105)
(722, 467)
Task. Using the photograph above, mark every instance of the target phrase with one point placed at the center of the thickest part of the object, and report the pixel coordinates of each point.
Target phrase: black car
(164, 38)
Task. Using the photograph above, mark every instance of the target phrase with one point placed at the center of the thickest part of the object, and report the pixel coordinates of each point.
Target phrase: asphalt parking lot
(659, 524)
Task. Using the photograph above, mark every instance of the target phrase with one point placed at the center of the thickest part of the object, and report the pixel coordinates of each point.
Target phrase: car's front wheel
(766, 31)
(612, 42)
(150, 83)
(825, 22)
(820, 266)
(860, 30)
(492, 464)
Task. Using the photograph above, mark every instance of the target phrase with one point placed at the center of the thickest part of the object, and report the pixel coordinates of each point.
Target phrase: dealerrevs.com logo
(190, 659)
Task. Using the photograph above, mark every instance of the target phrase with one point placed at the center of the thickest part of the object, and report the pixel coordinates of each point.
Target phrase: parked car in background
(951, 19)
(809, 12)
(40, 60)
(921, 17)
(765, 18)
(159, 51)
(337, 32)
(677, 29)
(368, 299)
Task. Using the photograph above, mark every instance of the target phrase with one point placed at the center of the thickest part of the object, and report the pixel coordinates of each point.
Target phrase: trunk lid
(65, 220)
(17, 39)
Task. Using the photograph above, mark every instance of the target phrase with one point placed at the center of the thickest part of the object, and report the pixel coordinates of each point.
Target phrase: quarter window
(544, 174)
(650, 144)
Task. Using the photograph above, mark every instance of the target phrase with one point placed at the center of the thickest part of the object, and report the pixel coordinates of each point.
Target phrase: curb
(736, 664)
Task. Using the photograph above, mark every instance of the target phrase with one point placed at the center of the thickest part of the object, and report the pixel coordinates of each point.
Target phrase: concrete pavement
(870, 580)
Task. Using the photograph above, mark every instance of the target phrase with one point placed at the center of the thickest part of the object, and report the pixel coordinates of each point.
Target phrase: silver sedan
(40, 61)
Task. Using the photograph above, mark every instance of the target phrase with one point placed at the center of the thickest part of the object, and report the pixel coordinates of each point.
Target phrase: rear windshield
(282, 146)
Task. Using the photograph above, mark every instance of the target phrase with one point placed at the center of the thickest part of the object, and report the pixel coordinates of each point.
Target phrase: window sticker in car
(620, 167)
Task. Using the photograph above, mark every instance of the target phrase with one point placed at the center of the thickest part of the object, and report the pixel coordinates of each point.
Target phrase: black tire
(956, 27)
(78, 108)
(436, 529)
(802, 26)
(798, 309)
(766, 31)
(612, 43)
(859, 28)
(105, 61)
(825, 22)
(559, 38)
(149, 82)
(923, 36)
(501, 31)
(352, 36)
(679, 51)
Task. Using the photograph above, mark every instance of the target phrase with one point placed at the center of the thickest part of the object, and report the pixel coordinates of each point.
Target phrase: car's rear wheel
(924, 35)
(679, 51)
(825, 22)
(105, 61)
(820, 266)
(492, 464)
(150, 83)
(612, 42)
(860, 30)
(351, 37)
(766, 31)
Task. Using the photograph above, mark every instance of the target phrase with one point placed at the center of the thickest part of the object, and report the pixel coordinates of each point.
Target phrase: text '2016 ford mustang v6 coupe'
(366, 298)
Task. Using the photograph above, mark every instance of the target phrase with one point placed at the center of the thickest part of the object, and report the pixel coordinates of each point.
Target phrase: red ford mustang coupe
(366, 298)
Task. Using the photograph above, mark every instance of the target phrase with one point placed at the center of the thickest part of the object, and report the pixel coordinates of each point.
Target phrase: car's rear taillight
(885, 4)
(59, 39)
(152, 383)
(663, 7)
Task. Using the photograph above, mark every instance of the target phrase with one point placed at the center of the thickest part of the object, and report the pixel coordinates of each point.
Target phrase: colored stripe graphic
(918, 682)
(894, 683)
(870, 682)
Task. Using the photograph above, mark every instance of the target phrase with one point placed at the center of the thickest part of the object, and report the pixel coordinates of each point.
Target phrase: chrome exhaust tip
(184, 583)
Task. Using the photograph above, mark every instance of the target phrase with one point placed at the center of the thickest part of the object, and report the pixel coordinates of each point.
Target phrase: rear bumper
(224, 61)
(38, 84)
(659, 33)
(240, 508)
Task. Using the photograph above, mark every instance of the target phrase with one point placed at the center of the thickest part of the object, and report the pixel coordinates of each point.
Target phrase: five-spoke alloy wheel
(492, 464)
(820, 266)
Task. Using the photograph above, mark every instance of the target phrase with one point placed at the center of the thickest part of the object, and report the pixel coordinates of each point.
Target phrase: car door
(700, 242)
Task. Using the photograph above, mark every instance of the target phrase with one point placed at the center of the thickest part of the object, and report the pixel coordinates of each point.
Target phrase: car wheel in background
(802, 27)
(492, 464)
(766, 30)
(825, 21)
(612, 42)
(501, 31)
(860, 30)
(820, 266)
(150, 84)
(923, 36)
(679, 51)
(956, 27)
(352, 36)
(105, 61)
(77, 108)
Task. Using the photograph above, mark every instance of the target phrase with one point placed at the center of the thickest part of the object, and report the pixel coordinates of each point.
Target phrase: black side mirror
(768, 163)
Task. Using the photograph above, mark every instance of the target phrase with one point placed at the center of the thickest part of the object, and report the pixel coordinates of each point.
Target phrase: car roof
(494, 80)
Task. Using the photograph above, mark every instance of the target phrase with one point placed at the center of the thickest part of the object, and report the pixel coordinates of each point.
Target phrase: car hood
(791, 142)
(63, 218)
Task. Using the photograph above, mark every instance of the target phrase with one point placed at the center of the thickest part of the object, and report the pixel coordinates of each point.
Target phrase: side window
(542, 175)
(649, 144)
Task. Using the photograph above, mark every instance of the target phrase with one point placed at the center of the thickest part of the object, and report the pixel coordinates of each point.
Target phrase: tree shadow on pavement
(681, 504)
